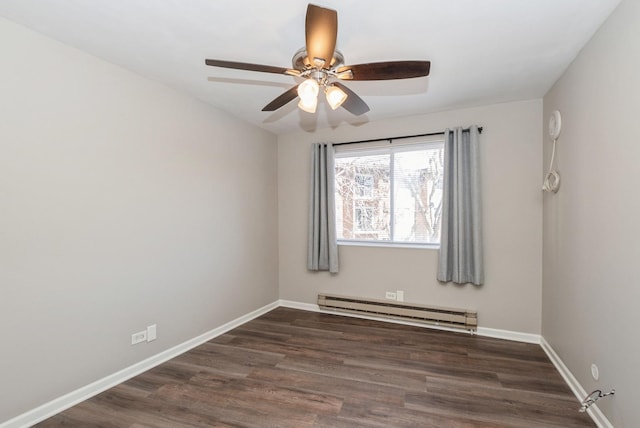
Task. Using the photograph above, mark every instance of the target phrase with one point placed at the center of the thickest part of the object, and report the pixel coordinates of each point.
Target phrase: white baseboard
(312, 307)
(481, 331)
(596, 414)
(71, 399)
(515, 336)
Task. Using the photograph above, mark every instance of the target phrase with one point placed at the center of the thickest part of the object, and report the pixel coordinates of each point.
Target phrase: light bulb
(308, 93)
(335, 96)
(308, 105)
(308, 89)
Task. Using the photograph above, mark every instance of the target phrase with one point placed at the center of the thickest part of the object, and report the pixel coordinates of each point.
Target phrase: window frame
(380, 148)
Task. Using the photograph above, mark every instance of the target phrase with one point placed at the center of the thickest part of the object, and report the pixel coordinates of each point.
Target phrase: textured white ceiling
(481, 51)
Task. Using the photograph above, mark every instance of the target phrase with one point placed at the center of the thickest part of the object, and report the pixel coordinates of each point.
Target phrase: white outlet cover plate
(151, 333)
(138, 337)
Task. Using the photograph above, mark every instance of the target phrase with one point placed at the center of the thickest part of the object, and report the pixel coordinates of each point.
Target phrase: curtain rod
(398, 138)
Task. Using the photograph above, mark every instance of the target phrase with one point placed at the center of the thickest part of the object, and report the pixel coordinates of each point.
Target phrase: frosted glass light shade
(308, 105)
(308, 89)
(335, 96)
(308, 93)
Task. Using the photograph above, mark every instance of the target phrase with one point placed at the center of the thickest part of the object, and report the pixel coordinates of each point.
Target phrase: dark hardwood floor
(292, 368)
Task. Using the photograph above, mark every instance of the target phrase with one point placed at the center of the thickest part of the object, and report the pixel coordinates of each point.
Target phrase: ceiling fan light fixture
(308, 89)
(308, 105)
(335, 96)
(308, 93)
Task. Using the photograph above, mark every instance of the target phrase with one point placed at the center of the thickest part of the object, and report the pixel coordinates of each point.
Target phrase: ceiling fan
(322, 67)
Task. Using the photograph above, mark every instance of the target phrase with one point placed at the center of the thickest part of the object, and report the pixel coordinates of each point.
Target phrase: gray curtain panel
(460, 256)
(322, 251)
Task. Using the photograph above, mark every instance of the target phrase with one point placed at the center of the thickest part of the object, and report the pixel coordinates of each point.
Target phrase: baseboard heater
(446, 317)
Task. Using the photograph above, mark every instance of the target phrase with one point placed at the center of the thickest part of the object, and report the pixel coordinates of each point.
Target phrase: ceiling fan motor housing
(300, 60)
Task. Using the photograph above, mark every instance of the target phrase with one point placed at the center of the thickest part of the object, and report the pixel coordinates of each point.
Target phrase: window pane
(362, 197)
(418, 195)
(390, 194)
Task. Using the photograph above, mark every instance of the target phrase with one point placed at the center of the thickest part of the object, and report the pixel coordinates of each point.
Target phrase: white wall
(510, 160)
(122, 203)
(591, 226)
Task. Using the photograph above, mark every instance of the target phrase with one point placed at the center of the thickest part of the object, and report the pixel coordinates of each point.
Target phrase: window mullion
(392, 203)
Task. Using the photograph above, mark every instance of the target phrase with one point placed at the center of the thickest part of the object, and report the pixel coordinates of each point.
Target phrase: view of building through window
(390, 194)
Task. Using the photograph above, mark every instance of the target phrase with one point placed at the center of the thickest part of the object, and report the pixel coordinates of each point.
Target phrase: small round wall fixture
(555, 125)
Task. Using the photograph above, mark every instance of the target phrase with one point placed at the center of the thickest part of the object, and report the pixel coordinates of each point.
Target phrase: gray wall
(591, 285)
(512, 202)
(122, 204)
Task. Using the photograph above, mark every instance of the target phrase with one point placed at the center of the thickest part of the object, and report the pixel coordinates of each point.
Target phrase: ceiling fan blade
(321, 31)
(251, 67)
(384, 70)
(282, 99)
(353, 104)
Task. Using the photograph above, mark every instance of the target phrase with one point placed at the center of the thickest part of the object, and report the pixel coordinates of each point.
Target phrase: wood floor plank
(260, 324)
(387, 377)
(386, 416)
(233, 406)
(287, 349)
(293, 368)
(227, 359)
(348, 390)
(344, 347)
(534, 383)
(425, 369)
(459, 387)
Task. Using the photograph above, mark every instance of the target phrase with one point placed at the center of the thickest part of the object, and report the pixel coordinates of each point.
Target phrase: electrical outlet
(400, 295)
(391, 295)
(151, 333)
(138, 337)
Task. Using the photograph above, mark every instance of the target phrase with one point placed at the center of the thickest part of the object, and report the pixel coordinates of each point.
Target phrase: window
(364, 219)
(364, 186)
(390, 194)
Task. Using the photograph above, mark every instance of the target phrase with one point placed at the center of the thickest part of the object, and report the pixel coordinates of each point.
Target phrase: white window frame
(369, 149)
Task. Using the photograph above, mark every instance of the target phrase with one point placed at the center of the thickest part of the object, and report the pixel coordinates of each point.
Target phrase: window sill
(388, 245)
